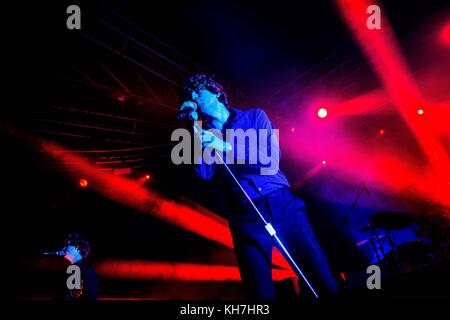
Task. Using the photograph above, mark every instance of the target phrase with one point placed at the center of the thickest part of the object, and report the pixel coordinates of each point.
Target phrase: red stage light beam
(193, 218)
(384, 54)
(174, 271)
(445, 34)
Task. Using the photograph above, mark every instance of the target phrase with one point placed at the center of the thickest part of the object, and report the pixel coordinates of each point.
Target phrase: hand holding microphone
(188, 110)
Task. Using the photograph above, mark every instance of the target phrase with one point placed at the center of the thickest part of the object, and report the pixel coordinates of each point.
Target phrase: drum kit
(396, 258)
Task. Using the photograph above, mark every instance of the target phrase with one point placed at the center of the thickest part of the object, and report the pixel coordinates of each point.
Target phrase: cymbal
(371, 239)
(390, 220)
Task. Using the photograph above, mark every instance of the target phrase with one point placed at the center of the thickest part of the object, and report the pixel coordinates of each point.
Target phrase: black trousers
(253, 244)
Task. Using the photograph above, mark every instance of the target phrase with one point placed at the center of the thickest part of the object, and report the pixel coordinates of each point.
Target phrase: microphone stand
(347, 216)
(268, 227)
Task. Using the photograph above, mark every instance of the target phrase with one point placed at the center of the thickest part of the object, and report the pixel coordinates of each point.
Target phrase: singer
(76, 249)
(202, 97)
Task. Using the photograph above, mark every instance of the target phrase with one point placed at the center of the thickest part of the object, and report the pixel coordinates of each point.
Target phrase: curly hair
(200, 81)
(77, 240)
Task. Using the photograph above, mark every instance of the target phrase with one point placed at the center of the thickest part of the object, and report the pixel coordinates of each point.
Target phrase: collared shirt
(250, 174)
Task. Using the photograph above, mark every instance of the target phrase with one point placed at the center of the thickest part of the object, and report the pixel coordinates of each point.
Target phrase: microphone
(188, 110)
(55, 253)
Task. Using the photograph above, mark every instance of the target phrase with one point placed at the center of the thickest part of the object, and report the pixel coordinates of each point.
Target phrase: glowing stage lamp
(420, 112)
(445, 34)
(83, 183)
(322, 113)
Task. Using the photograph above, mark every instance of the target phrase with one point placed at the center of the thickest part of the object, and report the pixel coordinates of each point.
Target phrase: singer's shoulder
(259, 114)
(253, 115)
(252, 112)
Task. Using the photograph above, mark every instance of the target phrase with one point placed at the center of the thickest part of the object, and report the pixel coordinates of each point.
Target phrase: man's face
(207, 103)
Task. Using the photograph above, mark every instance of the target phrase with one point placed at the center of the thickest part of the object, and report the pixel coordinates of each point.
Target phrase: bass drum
(415, 255)
(410, 256)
